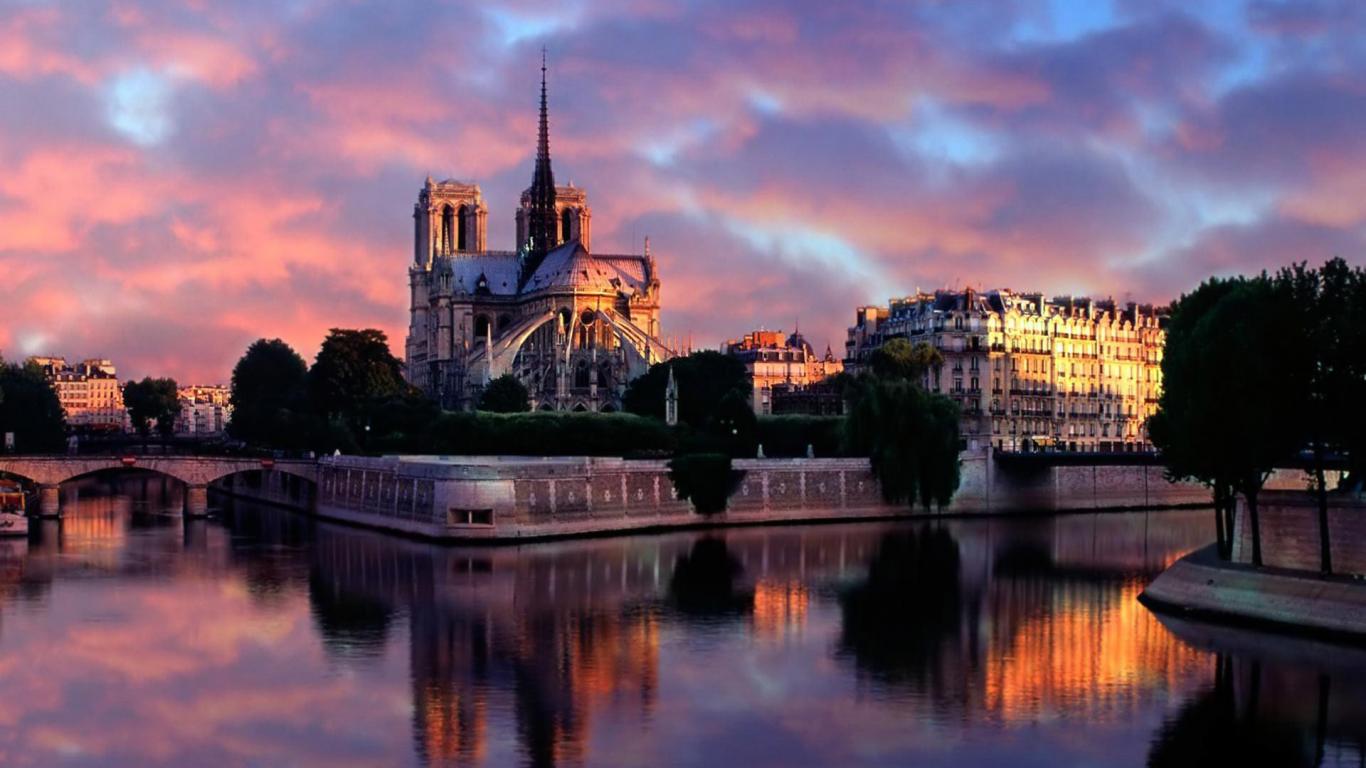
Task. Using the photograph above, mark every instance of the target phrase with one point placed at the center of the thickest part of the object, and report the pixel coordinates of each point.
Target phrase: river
(262, 637)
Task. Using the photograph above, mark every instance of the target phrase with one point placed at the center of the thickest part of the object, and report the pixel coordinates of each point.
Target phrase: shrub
(705, 479)
(788, 436)
(547, 434)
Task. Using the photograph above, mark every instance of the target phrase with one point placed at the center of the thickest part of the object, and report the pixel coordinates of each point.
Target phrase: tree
(1183, 429)
(911, 440)
(152, 400)
(1223, 415)
(704, 380)
(30, 409)
(505, 394)
(353, 372)
(899, 359)
(267, 381)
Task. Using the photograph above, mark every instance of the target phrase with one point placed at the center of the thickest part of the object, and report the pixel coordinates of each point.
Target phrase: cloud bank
(178, 179)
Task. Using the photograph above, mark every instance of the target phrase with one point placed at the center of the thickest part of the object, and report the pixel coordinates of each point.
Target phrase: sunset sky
(178, 179)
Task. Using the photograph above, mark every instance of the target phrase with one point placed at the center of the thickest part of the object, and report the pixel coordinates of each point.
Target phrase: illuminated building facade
(573, 326)
(89, 392)
(204, 410)
(1031, 373)
(777, 363)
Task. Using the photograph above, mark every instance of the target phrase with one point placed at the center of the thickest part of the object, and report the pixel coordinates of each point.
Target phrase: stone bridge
(196, 472)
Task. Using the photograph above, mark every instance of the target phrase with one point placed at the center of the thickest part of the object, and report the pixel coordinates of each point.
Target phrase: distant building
(204, 410)
(1030, 373)
(786, 364)
(572, 324)
(90, 394)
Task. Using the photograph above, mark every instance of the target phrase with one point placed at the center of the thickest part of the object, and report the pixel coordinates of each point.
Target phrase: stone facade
(89, 392)
(774, 360)
(1029, 373)
(572, 325)
(1289, 522)
(509, 498)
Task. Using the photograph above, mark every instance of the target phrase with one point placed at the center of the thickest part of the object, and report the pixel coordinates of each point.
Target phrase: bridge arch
(196, 472)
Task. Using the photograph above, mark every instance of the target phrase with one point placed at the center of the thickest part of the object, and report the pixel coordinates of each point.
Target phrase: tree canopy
(899, 359)
(910, 436)
(505, 394)
(152, 401)
(1256, 371)
(30, 409)
(353, 371)
(704, 380)
(267, 381)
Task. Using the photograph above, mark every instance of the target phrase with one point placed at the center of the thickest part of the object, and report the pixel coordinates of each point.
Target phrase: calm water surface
(128, 637)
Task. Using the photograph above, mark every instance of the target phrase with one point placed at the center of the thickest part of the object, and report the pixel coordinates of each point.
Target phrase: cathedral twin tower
(571, 325)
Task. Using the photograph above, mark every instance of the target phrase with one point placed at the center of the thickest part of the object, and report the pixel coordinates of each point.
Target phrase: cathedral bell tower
(542, 223)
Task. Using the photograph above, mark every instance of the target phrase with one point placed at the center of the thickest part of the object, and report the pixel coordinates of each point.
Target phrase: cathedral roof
(466, 269)
(571, 266)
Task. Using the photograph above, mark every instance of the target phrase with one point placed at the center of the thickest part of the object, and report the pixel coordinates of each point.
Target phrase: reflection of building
(1031, 373)
(785, 364)
(204, 410)
(89, 392)
(572, 325)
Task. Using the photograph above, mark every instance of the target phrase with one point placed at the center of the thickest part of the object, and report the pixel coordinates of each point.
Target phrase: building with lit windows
(204, 410)
(777, 362)
(90, 394)
(1031, 373)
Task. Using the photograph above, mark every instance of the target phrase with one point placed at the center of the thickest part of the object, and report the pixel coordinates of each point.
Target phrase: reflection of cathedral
(573, 326)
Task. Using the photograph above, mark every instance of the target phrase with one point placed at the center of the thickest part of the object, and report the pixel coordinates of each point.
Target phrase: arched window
(461, 241)
(582, 375)
(447, 228)
(566, 221)
(481, 327)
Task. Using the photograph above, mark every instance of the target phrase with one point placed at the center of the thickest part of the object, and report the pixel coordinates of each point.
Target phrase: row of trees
(354, 389)
(1264, 372)
(354, 397)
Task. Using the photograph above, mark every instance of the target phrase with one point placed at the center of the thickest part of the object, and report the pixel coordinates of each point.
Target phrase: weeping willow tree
(910, 438)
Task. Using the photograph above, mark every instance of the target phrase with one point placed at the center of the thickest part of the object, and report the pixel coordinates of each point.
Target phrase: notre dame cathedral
(572, 325)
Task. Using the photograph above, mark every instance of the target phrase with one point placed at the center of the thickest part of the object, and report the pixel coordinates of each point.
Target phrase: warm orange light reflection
(1099, 654)
(779, 608)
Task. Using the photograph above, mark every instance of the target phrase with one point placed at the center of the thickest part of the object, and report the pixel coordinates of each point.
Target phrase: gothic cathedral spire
(542, 221)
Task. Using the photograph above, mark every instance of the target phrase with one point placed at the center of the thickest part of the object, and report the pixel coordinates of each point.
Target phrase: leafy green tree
(267, 382)
(1184, 427)
(1322, 375)
(30, 409)
(911, 439)
(505, 394)
(1231, 381)
(899, 359)
(152, 401)
(353, 373)
(705, 479)
(704, 380)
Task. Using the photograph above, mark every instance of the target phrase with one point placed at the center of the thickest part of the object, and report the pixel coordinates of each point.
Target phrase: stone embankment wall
(1289, 523)
(517, 497)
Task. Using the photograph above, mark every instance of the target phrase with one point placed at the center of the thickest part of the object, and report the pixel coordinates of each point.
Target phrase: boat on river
(12, 507)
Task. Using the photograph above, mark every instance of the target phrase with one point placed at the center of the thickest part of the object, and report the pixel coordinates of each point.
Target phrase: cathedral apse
(572, 325)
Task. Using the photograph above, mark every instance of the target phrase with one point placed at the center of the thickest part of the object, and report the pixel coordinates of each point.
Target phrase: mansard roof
(571, 266)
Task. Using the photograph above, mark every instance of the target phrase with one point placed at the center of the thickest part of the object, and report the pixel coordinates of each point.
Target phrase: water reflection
(263, 637)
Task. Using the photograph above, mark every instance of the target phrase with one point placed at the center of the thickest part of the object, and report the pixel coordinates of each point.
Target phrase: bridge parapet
(191, 470)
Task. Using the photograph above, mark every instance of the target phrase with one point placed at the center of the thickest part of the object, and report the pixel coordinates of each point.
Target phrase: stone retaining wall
(1289, 525)
(516, 497)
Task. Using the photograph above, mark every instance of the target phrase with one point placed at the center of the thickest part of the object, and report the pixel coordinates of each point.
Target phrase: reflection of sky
(196, 647)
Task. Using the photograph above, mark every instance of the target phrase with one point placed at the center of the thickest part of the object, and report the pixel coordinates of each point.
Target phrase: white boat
(12, 519)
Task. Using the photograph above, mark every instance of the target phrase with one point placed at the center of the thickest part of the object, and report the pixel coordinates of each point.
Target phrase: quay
(1287, 593)
(501, 498)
